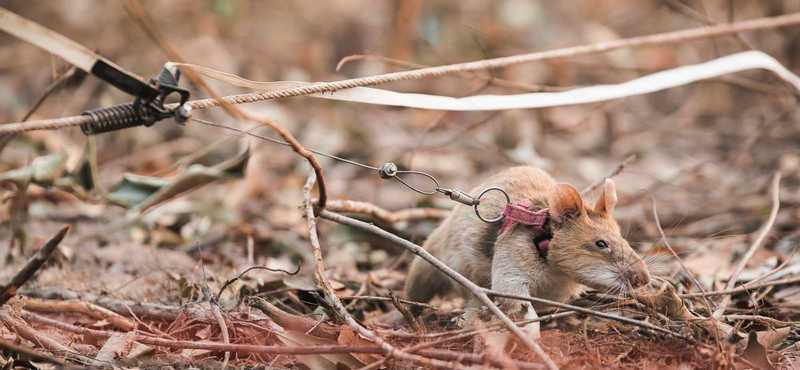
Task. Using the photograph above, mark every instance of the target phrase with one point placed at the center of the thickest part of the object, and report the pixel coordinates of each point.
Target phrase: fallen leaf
(293, 338)
(347, 337)
(755, 353)
(142, 192)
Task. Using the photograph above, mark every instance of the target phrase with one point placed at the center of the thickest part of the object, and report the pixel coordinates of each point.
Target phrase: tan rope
(657, 39)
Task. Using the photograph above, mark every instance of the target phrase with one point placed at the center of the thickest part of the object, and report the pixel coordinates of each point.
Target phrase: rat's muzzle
(638, 278)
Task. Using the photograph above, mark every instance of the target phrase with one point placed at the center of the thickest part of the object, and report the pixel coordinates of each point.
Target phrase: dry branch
(614, 172)
(714, 326)
(74, 73)
(23, 330)
(479, 292)
(35, 355)
(152, 311)
(440, 355)
(412, 321)
(385, 299)
(10, 289)
(411, 214)
(746, 288)
(77, 306)
(776, 203)
(336, 303)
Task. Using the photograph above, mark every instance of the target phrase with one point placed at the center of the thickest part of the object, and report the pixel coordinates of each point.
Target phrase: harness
(519, 213)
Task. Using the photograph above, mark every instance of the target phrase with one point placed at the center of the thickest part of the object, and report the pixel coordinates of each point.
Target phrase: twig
(35, 355)
(614, 172)
(762, 319)
(73, 72)
(231, 281)
(479, 292)
(691, 13)
(336, 303)
(321, 87)
(744, 288)
(385, 299)
(216, 311)
(128, 308)
(412, 321)
(440, 355)
(683, 266)
(411, 214)
(10, 289)
(776, 203)
(138, 13)
(588, 311)
(223, 326)
(74, 305)
(23, 330)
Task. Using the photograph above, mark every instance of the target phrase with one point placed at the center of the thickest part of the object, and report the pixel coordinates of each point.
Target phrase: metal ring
(498, 218)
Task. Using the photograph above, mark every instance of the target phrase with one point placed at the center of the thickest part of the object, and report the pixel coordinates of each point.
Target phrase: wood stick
(440, 355)
(336, 303)
(74, 305)
(23, 330)
(479, 292)
(776, 203)
(10, 289)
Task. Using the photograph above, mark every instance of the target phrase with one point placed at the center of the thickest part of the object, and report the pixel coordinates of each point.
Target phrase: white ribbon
(651, 83)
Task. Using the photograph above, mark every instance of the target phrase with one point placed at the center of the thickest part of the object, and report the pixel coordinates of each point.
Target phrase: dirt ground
(708, 152)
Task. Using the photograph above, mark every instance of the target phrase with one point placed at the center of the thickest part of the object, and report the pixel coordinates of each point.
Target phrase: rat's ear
(608, 198)
(565, 202)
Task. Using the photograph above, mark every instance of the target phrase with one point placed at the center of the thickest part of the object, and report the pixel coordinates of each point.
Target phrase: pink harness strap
(519, 213)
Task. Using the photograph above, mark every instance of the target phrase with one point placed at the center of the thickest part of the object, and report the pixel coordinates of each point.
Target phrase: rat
(577, 246)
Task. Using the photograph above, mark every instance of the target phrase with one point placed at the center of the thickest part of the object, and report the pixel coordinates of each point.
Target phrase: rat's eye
(601, 244)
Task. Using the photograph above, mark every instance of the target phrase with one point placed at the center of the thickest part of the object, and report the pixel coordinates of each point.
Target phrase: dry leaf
(756, 354)
(293, 338)
(347, 337)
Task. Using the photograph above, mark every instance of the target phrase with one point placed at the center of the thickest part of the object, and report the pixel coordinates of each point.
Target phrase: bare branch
(614, 172)
(776, 203)
(336, 303)
(411, 214)
(10, 289)
(440, 355)
(479, 292)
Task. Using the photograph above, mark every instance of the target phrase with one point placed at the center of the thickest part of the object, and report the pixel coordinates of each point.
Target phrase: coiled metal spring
(117, 117)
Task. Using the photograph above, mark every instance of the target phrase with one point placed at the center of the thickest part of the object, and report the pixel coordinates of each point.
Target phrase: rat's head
(587, 244)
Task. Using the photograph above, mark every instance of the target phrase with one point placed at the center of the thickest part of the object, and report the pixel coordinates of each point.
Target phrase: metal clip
(461, 197)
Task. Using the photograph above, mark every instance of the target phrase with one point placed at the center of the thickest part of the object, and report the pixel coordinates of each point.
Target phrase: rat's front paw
(512, 308)
(533, 328)
(496, 343)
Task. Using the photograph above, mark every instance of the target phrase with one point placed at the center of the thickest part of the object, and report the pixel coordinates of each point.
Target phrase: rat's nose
(638, 279)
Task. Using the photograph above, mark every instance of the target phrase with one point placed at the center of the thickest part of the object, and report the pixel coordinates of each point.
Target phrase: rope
(657, 39)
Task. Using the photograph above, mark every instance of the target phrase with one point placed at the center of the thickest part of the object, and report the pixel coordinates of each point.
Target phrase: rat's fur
(510, 263)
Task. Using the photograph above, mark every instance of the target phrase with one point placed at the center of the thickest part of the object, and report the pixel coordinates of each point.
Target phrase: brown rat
(586, 248)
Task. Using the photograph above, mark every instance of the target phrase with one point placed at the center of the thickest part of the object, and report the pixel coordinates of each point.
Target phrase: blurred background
(706, 151)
